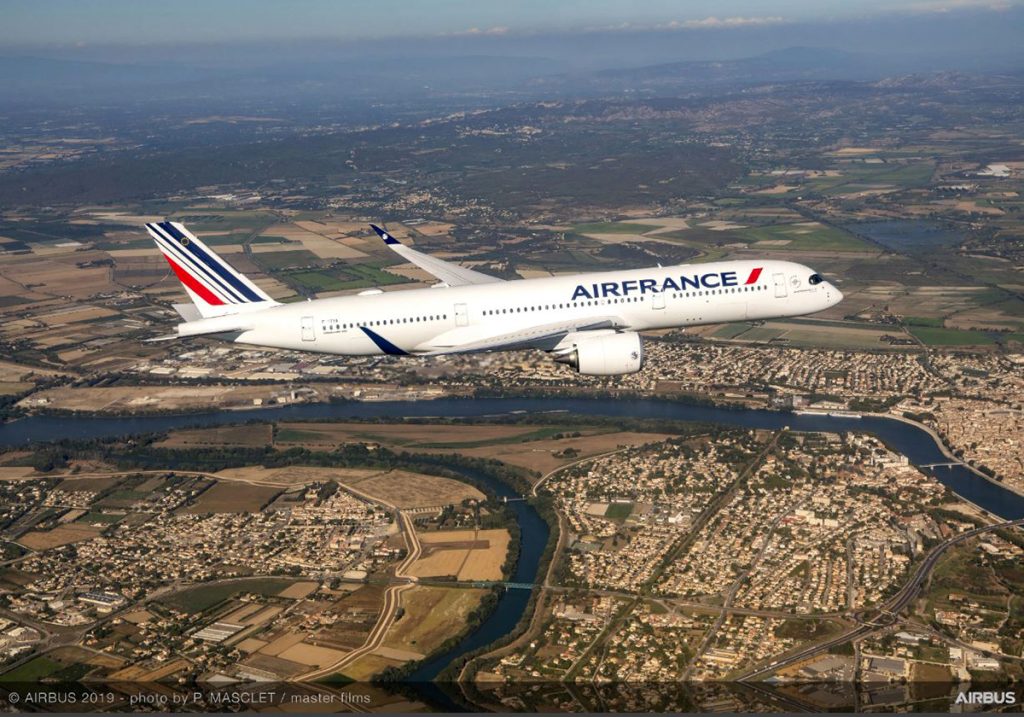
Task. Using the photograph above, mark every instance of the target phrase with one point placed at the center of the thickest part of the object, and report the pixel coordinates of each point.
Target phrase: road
(889, 610)
(392, 599)
(549, 474)
(708, 513)
(734, 589)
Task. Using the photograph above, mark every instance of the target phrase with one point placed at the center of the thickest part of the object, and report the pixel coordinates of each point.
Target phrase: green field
(936, 323)
(540, 434)
(237, 237)
(731, 331)
(32, 671)
(292, 435)
(9, 551)
(618, 511)
(833, 339)
(805, 321)
(316, 280)
(224, 219)
(269, 239)
(286, 259)
(857, 177)
(950, 337)
(613, 228)
(108, 245)
(240, 237)
(96, 517)
(351, 276)
(123, 498)
(206, 596)
(760, 333)
(803, 238)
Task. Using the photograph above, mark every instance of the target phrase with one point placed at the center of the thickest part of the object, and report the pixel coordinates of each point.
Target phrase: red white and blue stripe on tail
(209, 280)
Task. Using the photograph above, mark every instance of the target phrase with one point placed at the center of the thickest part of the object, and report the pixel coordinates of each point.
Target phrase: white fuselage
(422, 320)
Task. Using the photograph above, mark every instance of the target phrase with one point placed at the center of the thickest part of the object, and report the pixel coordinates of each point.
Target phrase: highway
(889, 610)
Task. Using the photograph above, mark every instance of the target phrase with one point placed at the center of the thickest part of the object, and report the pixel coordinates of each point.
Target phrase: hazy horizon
(580, 38)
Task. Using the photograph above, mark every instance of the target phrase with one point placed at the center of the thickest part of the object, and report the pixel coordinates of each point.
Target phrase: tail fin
(216, 289)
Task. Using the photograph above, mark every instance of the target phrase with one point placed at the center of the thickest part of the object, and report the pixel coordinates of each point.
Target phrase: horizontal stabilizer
(189, 312)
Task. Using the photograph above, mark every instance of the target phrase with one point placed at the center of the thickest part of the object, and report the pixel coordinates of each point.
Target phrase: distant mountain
(813, 63)
(56, 73)
(62, 80)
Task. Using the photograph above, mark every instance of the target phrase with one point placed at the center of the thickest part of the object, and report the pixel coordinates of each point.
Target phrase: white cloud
(713, 21)
(949, 5)
(497, 30)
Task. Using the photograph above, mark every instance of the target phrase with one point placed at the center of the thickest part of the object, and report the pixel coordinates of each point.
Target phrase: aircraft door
(461, 315)
(658, 301)
(308, 332)
(780, 285)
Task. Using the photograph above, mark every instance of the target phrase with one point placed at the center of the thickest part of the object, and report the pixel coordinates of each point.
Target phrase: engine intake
(603, 355)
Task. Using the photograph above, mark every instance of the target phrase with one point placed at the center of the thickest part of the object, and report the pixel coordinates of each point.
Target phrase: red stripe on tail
(190, 281)
(754, 275)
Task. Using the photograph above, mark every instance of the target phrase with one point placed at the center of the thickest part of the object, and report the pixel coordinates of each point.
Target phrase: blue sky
(169, 22)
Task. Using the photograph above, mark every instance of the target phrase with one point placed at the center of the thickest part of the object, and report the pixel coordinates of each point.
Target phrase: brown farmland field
(405, 435)
(95, 485)
(232, 498)
(366, 667)
(294, 475)
(467, 554)
(539, 455)
(142, 398)
(298, 591)
(61, 535)
(415, 490)
(430, 613)
(278, 645)
(494, 441)
(311, 655)
(274, 665)
(249, 435)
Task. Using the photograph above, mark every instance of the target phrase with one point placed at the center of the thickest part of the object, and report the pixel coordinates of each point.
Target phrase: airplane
(589, 321)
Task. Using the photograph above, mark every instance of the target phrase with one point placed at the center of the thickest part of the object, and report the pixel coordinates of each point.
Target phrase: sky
(85, 23)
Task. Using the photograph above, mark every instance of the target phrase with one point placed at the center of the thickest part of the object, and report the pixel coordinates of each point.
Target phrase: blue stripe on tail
(174, 246)
(212, 263)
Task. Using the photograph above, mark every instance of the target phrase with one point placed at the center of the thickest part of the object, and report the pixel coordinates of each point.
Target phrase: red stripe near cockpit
(754, 275)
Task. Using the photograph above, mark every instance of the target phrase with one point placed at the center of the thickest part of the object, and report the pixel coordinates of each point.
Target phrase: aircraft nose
(837, 295)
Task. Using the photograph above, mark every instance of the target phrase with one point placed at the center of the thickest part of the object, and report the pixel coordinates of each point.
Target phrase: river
(919, 447)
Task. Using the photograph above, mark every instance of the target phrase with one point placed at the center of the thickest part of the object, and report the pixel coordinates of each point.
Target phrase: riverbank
(917, 442)
(945, 449)
(907, 437)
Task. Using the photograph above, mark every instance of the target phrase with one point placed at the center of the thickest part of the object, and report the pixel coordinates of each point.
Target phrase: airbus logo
(986, 697)
(711, 280)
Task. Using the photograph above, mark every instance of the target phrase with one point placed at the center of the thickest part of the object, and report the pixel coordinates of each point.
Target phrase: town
(193, 511)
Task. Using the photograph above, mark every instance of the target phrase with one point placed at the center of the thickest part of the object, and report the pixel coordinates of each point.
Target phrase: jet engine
(603, 354)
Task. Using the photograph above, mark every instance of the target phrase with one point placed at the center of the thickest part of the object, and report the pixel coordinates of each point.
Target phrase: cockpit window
(815, 279)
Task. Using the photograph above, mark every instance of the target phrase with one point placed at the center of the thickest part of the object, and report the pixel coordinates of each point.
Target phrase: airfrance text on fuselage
(711, 280)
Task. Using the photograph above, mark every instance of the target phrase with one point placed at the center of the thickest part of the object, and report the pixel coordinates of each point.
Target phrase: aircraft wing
(542, 336)
(449, 273)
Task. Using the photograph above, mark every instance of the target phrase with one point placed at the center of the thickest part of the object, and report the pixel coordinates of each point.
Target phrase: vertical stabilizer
(214, 286)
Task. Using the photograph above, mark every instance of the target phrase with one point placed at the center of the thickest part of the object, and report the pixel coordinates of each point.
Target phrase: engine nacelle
(607, 354)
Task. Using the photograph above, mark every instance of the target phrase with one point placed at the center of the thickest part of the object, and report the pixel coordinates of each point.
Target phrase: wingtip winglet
(388, 239)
